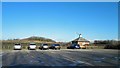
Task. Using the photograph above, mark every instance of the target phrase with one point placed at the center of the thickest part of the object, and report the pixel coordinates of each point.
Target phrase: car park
(74, 46)
(32, 46)
(44, 47)
(55, 46)
(17, 46)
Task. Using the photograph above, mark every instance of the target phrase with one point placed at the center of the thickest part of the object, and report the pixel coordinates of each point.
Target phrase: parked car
(17, 46)
(74, 46)
(55, 46)
(32, 46)
(44, 46)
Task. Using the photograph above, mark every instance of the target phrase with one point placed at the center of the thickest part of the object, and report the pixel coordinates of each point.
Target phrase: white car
(44, 46)
(17, 46)
(32, 46)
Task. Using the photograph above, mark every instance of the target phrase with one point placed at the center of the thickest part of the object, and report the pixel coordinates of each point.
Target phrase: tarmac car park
(80, 58)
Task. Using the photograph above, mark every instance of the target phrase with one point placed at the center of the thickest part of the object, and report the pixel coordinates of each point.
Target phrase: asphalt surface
(64, 57)
(0, 59)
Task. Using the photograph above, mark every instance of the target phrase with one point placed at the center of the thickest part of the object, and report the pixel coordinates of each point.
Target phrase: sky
(60, 21)
(0, 20)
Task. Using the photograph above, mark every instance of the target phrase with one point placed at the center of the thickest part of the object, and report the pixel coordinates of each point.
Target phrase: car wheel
(28, 48)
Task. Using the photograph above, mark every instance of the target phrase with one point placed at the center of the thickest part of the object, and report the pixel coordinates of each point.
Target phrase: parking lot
(63, 57)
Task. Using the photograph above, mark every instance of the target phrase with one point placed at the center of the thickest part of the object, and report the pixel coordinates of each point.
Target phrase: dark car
(55, 46)
(44, 46)
(74, 46)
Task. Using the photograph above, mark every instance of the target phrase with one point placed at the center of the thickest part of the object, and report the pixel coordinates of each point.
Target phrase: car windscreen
(57, 45)
(45, 44)
(32, 44)
(75, 45)
(17, 44)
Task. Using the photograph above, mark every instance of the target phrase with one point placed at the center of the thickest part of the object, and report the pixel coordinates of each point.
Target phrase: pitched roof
(81, 39)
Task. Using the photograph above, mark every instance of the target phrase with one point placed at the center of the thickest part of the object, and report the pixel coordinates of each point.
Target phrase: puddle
(117, 58)
(52, 52)
(36, 62)
(103, 58)
(99, 59)
(72, 64)
(0, 55)
(68, 52)
(31, 61)
(78, 63)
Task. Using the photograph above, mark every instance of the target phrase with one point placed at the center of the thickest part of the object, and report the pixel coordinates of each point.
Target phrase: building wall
(83, 43)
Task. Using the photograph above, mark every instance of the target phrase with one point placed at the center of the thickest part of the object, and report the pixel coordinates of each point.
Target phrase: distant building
(81, 41)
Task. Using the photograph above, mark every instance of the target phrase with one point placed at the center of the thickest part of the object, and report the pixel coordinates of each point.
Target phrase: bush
(112, 46)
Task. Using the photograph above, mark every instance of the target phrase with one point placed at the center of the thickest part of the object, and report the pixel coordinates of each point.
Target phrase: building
(81, 41)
